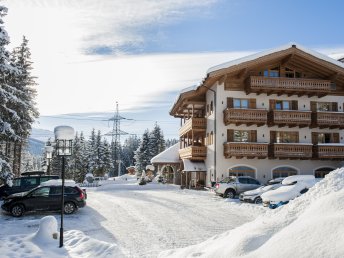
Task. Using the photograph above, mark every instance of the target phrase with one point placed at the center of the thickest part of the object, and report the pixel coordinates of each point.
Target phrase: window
(322, 172)
(283, 172)
(16, 182)
(211, 107)
(253, 182)
(29, 181)
(211, 138)
(243, 180)
(289, 73)
(44, 191)
(326, 106)
(282, 105)
(286, 137)
(241, 136)
(242, 171)
(273, 72)
(327, 138)
(241, 103)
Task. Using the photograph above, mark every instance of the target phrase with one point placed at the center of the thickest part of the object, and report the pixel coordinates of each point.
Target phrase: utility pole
(116, 140)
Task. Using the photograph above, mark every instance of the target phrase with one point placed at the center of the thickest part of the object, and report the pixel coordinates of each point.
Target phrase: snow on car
(292, 187)
(254, 196)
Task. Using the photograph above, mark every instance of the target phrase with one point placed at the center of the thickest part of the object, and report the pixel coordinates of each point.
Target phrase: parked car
(46, 197)
(232, 186)
(254, 196)
(26, 182)
(292, 187)
(277, 180)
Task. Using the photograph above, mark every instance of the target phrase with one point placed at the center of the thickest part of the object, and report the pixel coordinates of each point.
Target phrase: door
(55, 198)
(38, 200)
(244, 185)
(253, 183)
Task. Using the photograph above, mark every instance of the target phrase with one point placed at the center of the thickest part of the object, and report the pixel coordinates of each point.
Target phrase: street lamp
(64, 142)
(48, 156)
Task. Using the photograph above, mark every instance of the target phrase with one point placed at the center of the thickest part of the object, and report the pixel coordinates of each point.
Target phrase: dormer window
(273, 72)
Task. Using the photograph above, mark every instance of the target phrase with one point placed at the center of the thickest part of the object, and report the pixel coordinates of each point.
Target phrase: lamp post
(64, 139)
(48, 156)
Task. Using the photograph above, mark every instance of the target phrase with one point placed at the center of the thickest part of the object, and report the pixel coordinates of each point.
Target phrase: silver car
(232, 186)
(253, 196)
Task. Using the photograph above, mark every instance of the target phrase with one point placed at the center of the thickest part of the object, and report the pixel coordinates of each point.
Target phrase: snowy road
(145, 220)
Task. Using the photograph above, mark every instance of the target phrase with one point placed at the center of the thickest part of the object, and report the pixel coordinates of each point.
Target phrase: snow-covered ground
(310, 226)
(123, 219)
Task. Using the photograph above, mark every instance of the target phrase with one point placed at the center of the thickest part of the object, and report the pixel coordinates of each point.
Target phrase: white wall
(263, 166)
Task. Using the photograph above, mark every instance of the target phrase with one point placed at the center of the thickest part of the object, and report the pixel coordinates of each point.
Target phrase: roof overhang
(194, 166)
(294, 54)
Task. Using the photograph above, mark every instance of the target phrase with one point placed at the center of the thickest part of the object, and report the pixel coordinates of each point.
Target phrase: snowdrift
(312, 225)
(45, 243)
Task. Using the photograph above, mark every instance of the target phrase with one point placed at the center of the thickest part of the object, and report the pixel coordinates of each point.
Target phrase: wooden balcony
(193, 153)
(197, 124)
(329, 151)
(248, 150)
(249, 117)
(289, 86)
(290, 118)
(329, 120)
(292, 151)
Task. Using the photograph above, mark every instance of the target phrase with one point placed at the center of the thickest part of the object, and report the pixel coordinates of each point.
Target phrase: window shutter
(272, 104)
(334, 106)
(229, 102)
(252, 103)
(272, 136)
(313, 106)
(294, 105)
(253, 136)
(230, 135)
(335, 137)
(314, 138)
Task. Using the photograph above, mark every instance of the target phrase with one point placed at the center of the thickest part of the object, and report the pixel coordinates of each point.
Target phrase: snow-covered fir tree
(129, 147)
(142, 154)
(156, 141)
(171, 142)
(7, 99)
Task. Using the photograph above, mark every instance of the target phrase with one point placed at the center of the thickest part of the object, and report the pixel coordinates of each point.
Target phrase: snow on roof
(170, 155)
(271, 51)
(256, 56)
(64, 132)
(58, 182)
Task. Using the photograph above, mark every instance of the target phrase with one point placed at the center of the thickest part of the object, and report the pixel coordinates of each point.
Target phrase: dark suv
(26, 182)
(45, 198)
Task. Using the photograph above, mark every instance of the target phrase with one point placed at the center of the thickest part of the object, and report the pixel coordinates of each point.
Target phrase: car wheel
(69, 208)
(258, 200)
(17, 210)
(229, 194)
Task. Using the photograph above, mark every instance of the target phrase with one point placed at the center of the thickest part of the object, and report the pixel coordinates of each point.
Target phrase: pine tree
(26, 110)
(142, 154)
(7, 98)
(92, 152)
(129, 147)
(156, 141)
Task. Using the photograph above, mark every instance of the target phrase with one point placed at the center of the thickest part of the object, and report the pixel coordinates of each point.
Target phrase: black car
(24, 183)
(45, 198)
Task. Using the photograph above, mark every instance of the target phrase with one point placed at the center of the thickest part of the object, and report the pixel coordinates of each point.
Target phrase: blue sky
(141, 53)
(241, 25)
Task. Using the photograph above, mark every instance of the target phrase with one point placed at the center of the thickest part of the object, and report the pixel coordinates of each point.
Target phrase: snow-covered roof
(170, 155)
(251, 58)
(271, 51)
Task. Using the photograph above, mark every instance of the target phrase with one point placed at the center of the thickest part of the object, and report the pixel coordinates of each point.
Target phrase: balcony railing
(240, 116)
(292, 150)
(245, 149)
(329, 119)
(193, 124)
(193, 152)
(281, 85)
(329, 151)
(291, 118)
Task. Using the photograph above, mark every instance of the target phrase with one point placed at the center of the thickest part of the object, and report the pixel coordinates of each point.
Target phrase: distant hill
(41, 134)
(36, 147)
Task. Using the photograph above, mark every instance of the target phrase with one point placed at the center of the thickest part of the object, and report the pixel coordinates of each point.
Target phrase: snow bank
(42, 244)
(309, 226)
